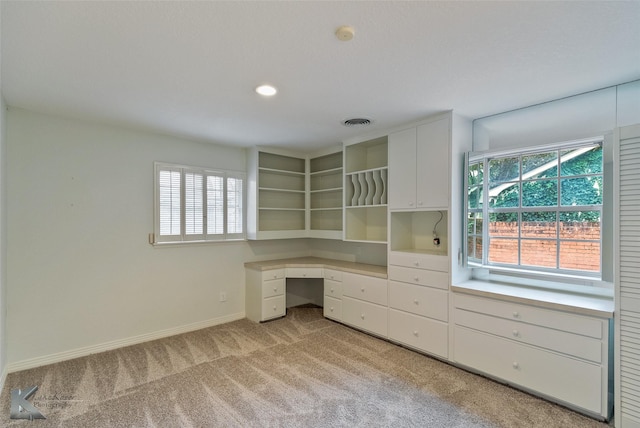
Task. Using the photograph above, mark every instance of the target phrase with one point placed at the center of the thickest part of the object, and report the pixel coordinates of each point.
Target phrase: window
(537, 210)
(194, 204)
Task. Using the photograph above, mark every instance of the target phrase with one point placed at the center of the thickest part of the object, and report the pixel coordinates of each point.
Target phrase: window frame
(557, 273)
(205, 236)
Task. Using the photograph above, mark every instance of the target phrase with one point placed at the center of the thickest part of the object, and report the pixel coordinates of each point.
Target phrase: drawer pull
(275, 276)
(362, 316)
(275, 289)
(516, 365)
(516, 333)
(415, 333)
(516, 314)
(275, 308)
(416, 302)
(332, 290)
(416, 264)
(331, 308)
(416, 278)
(362, 289)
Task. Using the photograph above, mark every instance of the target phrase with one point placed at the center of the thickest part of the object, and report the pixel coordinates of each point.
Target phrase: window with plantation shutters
(195, 204)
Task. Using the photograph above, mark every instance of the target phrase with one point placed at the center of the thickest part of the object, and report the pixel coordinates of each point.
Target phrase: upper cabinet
(419, 166)
(325, 195)
(293, 195)
(366, 190)
(276, 195)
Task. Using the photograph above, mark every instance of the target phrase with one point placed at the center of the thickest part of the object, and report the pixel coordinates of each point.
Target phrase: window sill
(190, 243)
(596, 301)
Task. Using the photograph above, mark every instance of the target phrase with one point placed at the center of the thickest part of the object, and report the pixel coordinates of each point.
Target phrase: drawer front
(273, 307)
(333, 275)
(275, 287)
(427, 278)
(573, 323)
(418, 332)
(272, 274)
(333, 289)
(419, 300)
(364, 315)
(420, 261)
(332, 308)
(304, 273)
(555, 340)
(365, 288)
(567, 379)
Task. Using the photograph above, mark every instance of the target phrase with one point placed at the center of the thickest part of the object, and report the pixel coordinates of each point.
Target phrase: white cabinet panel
(274, 287)
(420, 276)
(273, 307)
(364, 315)
(402, 169)
(433, 165)
(567, 379)
(334, 275)
(419, 261)
(332, 308)
(418, 332)
(304, 273)
(333, 289)
(365, 288)
(419, 300)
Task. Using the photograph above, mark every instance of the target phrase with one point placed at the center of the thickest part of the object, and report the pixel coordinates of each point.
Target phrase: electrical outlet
(223, 296)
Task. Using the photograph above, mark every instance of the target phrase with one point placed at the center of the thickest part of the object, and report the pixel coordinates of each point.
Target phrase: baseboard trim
(120, 343)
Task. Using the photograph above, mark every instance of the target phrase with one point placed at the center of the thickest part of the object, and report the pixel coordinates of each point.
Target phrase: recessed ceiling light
(266, 90)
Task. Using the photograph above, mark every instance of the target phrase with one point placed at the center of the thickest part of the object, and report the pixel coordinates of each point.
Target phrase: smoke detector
(345, 33)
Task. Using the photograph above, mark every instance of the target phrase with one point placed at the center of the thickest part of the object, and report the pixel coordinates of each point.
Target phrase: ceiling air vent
(358, 121)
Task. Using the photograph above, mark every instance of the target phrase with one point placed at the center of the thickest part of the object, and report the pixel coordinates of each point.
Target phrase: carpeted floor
(299, 371)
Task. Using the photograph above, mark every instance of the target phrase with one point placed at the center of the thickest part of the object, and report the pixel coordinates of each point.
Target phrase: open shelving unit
(365, 190)
(325, 196)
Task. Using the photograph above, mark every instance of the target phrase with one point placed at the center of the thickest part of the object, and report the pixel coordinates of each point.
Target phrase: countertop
(311, 262)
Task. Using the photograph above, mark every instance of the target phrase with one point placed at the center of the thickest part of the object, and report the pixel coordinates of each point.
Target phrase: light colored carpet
(299, 371)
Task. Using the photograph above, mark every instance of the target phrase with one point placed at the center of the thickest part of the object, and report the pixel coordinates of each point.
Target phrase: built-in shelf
(325, 195)
(412, 232)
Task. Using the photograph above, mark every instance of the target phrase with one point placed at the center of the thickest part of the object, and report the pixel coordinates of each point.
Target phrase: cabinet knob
(516, 365)
(410, 203)
(416, 302)
(362, 316)
(419, 202)
(332, 290)
(416, 264)
(275, 289)
(362, 289)
(516, 314)
(331, 308)
(415, 333)
(274, 308)
(516, 333)
(416, 278)
(304, 274)
(275, 276)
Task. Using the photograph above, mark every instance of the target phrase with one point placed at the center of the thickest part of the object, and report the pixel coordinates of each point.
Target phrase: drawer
(418, 332)
(332, 308)
(333, 275)
(364, 315)
(333, 289)
(304, 273)
(419, 300)
(420, 261)
(366, 288)
(272, 274)
(555, 340)
(572, 323)
(273, 307)
(275, 287)
(427, 278)
(567, 379)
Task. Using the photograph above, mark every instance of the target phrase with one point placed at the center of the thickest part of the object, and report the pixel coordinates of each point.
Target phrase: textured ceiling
(189, 68)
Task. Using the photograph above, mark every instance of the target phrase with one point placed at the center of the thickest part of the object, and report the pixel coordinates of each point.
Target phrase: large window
(193, 204)
(537, 210)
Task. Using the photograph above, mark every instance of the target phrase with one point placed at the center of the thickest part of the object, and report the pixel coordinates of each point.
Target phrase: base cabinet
(418, 332)
(265, 294)
(333, 294)
(365, 316)
(556, 354)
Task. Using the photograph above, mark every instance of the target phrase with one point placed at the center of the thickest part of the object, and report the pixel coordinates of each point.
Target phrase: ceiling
(189, 69)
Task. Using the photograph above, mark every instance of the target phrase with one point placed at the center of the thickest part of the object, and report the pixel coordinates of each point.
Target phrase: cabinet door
(402, 169)
(432, 175)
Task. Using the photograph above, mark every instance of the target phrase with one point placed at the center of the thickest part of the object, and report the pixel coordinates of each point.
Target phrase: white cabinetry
(560, 355)
(276, 195)
(364, 303)
(325, 195)
(419, 301)
(333, 294)
(265, 294)
(419, 166)
(366, 191)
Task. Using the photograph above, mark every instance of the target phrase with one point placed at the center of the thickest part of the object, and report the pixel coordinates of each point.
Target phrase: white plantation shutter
(235, 206)
(628, 280)
(194, 204)
(215, 205)
(169, 202)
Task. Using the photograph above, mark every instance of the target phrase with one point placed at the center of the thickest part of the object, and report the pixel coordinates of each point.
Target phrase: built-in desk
(266, 285)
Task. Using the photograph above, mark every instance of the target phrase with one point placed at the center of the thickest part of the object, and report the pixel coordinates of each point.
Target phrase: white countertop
(310, 262)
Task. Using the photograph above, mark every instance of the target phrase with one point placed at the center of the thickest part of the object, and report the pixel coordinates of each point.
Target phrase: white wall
(80, 271)
(3, 238)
